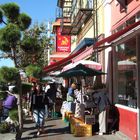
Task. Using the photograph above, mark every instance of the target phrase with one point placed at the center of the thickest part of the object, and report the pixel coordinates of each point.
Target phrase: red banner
(63, 42)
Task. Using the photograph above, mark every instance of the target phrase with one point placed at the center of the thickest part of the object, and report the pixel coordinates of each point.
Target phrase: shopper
(38, 105)
(32, 93)
(51, 94)
(102, 102)
(70, 95)
(9, 103)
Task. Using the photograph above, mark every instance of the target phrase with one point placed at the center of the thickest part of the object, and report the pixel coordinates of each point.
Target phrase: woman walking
(38, 103)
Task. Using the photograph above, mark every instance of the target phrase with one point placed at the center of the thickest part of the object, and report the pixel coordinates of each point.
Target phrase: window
(126, 73)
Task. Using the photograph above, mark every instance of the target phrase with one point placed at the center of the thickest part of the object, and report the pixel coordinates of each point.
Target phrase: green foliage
(3, 89)
(11, 11)
(24, 21)
(11, 33)
(4, 127)
(30, 44)
(33, 70)
(8, 74)
(4, 45)
(3, 95)
(13, 114)
(26, 87)
(34, 43)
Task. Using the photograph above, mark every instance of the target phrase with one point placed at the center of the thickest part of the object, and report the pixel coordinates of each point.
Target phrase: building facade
(114, 25)
(126, 65)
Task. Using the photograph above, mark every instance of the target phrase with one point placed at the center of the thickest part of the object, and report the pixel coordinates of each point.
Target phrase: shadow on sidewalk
(30, 131)
(48, 132)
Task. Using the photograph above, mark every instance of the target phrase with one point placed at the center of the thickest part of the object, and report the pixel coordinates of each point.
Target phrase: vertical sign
(63, 42)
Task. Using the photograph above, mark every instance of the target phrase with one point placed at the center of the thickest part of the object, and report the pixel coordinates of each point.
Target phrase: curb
(122, 136)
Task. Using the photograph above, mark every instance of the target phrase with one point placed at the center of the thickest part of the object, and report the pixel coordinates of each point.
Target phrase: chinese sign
(63, 42)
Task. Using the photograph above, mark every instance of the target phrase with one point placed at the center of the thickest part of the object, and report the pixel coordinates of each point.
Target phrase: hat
(11, 88)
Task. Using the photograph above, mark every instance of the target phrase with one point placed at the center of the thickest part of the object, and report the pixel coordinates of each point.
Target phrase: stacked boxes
(79, 128)
(73, 122)
(68, 114)
(82, 129)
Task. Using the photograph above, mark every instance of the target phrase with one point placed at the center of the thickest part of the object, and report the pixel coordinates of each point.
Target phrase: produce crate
(82, 130)
(74, 121)
(67, 115)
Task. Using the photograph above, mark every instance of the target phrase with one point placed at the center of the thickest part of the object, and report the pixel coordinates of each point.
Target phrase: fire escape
(74, 15)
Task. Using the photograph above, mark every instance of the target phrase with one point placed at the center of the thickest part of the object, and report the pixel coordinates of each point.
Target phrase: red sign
(63, 42)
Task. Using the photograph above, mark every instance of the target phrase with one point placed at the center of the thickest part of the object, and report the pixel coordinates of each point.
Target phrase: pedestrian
(70, 95)
(102, 102)
(9, 102)
(47, 86)
(51, 94)
(32, 93)
(38, 102)
(78, 94)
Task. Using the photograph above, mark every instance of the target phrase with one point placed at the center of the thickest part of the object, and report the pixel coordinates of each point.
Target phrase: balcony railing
(75, 16)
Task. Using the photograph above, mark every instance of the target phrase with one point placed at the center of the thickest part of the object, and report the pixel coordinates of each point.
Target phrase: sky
(39, 11)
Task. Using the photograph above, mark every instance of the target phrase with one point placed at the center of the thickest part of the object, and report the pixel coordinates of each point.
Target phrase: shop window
(126, 73)
(131, 21)
(138, 16)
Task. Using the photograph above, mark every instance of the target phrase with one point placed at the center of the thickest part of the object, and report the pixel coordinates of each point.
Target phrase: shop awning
(115, 35)
(59, 64)
(80, 70)
(87, 63)
(86, 42)
(89, 50)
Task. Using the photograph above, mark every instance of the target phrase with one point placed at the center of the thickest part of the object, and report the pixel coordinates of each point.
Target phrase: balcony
(76, 17)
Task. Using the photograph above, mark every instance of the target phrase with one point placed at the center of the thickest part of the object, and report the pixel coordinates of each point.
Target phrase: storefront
(126, 81)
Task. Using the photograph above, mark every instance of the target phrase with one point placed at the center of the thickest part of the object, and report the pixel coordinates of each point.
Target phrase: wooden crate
(74, 121)
(82, 130)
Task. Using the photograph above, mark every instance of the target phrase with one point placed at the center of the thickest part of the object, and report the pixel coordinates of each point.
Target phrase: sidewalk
(55, 130)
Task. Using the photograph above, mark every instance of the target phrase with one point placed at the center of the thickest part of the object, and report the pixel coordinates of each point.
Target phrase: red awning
(116, 35)
(88, 51)
(57, 65)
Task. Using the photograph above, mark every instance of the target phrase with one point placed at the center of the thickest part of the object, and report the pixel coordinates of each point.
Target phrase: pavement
(56, 129)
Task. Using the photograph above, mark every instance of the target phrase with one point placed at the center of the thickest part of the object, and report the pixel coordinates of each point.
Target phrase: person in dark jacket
(102, 102)
(51, 94)
(38, 102)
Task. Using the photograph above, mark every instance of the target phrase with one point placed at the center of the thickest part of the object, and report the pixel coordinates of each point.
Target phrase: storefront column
(138, 76)
(115, 83)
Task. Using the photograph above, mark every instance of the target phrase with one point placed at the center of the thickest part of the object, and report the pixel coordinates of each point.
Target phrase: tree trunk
(19, 86)
(20, 113)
